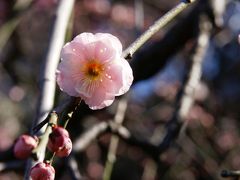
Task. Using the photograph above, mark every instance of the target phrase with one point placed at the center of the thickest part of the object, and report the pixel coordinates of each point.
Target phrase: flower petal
(127, 77)
(85, 87)
(66, 84)
(84, 38)
(104, 52)
(121, 77)
(99, 100)
(75, 49)
(111, 40)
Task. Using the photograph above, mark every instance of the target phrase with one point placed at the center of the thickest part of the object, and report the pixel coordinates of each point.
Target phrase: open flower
(92, 68)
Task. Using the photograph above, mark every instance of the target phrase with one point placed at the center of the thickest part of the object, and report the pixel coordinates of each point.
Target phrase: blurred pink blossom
(92, 68)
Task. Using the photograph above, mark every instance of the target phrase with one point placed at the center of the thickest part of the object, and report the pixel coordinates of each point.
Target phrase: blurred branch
(161, 22)
(185, 97)
(219, 10)
(228, 173)
(6, 31)
(10, 165)
(139, 15)
(151, 59)
(91, 134)
(118, 120)
(9, 27)
(48, 82)
(104, 127)
(73, 168)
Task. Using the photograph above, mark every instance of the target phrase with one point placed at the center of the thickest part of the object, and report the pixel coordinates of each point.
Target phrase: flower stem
(161, 22)
(44, 138)
(64, 119)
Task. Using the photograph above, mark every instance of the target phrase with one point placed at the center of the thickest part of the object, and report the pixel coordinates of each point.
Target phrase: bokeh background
(211, 139)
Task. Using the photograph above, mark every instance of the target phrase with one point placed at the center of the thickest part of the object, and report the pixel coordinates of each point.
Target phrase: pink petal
(70, 64)
(104, 52)
(99, 100)
(85, 88)
(66, 84)
(127, 77)
(75, 49)
(84, 38)
(68, 73)
(121, 77)
(111, 40)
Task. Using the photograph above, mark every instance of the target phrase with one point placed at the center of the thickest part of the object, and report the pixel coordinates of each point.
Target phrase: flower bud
(42, 171)
(24, 146)
(57, 139)
(67, 148)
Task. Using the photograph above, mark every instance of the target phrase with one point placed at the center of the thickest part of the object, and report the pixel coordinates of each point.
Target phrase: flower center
(93, 70)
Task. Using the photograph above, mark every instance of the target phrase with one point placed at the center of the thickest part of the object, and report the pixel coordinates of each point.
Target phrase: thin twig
(111, 157)
(48, 82)
(161, 22)
(84, 140)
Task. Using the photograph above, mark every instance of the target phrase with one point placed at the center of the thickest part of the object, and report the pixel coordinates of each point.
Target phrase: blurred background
(210, 142)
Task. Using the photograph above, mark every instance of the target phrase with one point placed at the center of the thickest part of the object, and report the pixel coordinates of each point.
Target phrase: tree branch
(185, 97)
(48, 82)
(161, 22)
(152, 58)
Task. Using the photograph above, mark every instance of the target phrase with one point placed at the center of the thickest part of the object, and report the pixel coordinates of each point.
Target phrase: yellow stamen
(93, 70)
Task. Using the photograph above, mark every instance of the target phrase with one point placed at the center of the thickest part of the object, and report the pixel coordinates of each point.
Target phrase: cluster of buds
(59, 142)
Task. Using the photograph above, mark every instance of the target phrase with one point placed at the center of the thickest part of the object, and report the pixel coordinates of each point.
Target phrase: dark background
(211, 140)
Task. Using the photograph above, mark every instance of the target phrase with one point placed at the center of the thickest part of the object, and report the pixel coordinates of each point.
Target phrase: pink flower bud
(57, 139)
(42, 171)
(67, 148)
(24, 146)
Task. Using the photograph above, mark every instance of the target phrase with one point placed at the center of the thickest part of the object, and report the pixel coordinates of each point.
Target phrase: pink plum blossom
(92, 68)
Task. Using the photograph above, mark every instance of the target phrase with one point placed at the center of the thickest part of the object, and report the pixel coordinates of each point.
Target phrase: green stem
(66, 116)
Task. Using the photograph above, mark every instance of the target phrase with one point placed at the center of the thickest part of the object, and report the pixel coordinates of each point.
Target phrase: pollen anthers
(93, 70)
